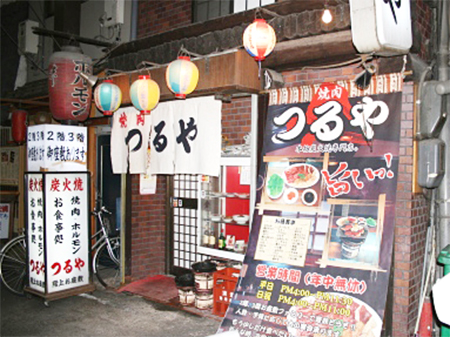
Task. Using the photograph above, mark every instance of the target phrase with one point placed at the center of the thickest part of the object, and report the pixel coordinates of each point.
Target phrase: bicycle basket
(110, 228)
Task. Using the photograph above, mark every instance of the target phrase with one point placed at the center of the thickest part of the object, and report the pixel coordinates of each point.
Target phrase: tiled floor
(162, 289)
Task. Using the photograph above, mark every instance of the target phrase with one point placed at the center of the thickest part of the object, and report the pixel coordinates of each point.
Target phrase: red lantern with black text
(19, 126)
(69, 94)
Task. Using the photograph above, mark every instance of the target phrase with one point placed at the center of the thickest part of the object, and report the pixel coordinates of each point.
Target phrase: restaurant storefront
(162, 237)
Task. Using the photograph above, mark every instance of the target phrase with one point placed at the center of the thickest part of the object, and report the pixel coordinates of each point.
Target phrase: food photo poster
(320, 246)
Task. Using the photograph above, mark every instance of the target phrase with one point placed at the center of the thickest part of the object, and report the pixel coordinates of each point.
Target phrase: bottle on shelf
(222, 240)
(212, 237)
(205, 237)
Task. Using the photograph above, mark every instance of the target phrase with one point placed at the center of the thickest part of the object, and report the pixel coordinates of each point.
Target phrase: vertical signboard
(35, 231)
(319, 253)
(67, 228)
(58, 231)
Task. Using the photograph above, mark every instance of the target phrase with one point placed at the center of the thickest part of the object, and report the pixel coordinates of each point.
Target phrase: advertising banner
(320, 246)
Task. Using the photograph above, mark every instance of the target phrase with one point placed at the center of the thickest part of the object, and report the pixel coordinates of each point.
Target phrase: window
(204, 10)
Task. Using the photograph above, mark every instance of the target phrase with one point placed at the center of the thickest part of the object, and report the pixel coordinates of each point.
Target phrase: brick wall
(410, 230)
(148, 218)
(236, 120)
(148, 211)
(158, 16)
(423, 18)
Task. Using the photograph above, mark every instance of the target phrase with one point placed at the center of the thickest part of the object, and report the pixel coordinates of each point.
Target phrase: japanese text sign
(55, 147)
(58, 231)
(324, 218)
(186, 137)
(129, 141)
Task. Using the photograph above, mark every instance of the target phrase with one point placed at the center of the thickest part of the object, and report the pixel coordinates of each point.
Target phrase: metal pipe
(443, 191)
(253, 152)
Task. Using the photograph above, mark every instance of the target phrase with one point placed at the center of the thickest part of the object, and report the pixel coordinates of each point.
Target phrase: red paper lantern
(69, 94)
(259, 39)
(19, 126)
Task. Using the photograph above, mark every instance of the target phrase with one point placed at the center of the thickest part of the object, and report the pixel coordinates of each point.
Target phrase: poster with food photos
(324, 216)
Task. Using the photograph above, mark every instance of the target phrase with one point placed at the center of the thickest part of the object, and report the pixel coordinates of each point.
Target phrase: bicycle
(13, 264)
(105, 263)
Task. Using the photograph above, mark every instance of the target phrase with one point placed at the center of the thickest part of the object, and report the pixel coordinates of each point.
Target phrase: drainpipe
(442, 129)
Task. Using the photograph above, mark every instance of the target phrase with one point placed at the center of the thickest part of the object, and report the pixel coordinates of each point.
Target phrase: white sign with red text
(67, 239)
(35, 232)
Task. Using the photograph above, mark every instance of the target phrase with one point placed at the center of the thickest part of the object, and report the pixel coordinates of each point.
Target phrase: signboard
(9, 166)
(186, 137)
(5, 216)
(58, 231)
(53, 147)
(319, 253)
(129, 141)
(35, 231)
(383, 27)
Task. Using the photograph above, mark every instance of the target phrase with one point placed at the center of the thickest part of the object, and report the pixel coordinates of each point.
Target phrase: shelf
(221, 253)
(233, 223)
(207, 196)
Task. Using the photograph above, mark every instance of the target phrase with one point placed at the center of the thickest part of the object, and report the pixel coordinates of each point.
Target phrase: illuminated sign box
(381, 27)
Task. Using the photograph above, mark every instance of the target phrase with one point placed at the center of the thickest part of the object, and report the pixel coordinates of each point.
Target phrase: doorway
(108, 191)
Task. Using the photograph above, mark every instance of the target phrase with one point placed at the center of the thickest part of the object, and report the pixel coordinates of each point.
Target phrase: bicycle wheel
(13, 264)
(107, 267)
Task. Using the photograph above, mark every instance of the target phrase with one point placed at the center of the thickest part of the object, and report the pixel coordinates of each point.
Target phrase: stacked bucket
(204, 284)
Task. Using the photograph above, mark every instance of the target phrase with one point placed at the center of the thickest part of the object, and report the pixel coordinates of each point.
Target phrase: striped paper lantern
(144, 94)
(182, 76)
(107, 97)
(259, 39)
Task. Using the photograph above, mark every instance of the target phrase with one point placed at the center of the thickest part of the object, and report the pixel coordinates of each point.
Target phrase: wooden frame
(267, 204)
(380, 204)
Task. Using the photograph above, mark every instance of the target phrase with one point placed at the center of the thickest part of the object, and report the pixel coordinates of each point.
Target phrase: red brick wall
(148, 211)
(422, 17)
(148, 218)
(157, 16)
(236, 120)
(410, 230)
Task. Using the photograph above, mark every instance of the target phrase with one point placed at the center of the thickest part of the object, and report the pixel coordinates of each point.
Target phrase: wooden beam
(284, 8)
(313, 50)
(24, 101)
(234, 72)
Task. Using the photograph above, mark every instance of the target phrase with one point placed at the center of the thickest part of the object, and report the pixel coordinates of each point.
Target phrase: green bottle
(222, 243)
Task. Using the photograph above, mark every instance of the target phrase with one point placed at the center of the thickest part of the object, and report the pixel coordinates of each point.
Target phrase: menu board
(319, 252)
(283, 240)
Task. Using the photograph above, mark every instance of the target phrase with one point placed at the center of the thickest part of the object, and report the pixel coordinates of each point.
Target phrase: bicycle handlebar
(103, 209)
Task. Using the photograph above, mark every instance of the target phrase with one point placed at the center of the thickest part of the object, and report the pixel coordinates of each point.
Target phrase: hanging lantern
(259, 39)
(144, 94)
(19, 126)
(107, 97)
(69, 94)
(182, 76)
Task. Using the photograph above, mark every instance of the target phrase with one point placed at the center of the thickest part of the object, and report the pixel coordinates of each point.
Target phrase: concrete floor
(102, 313)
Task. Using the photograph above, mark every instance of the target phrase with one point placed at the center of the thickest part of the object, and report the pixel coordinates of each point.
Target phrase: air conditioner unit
(27, 40)
(114, 12)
